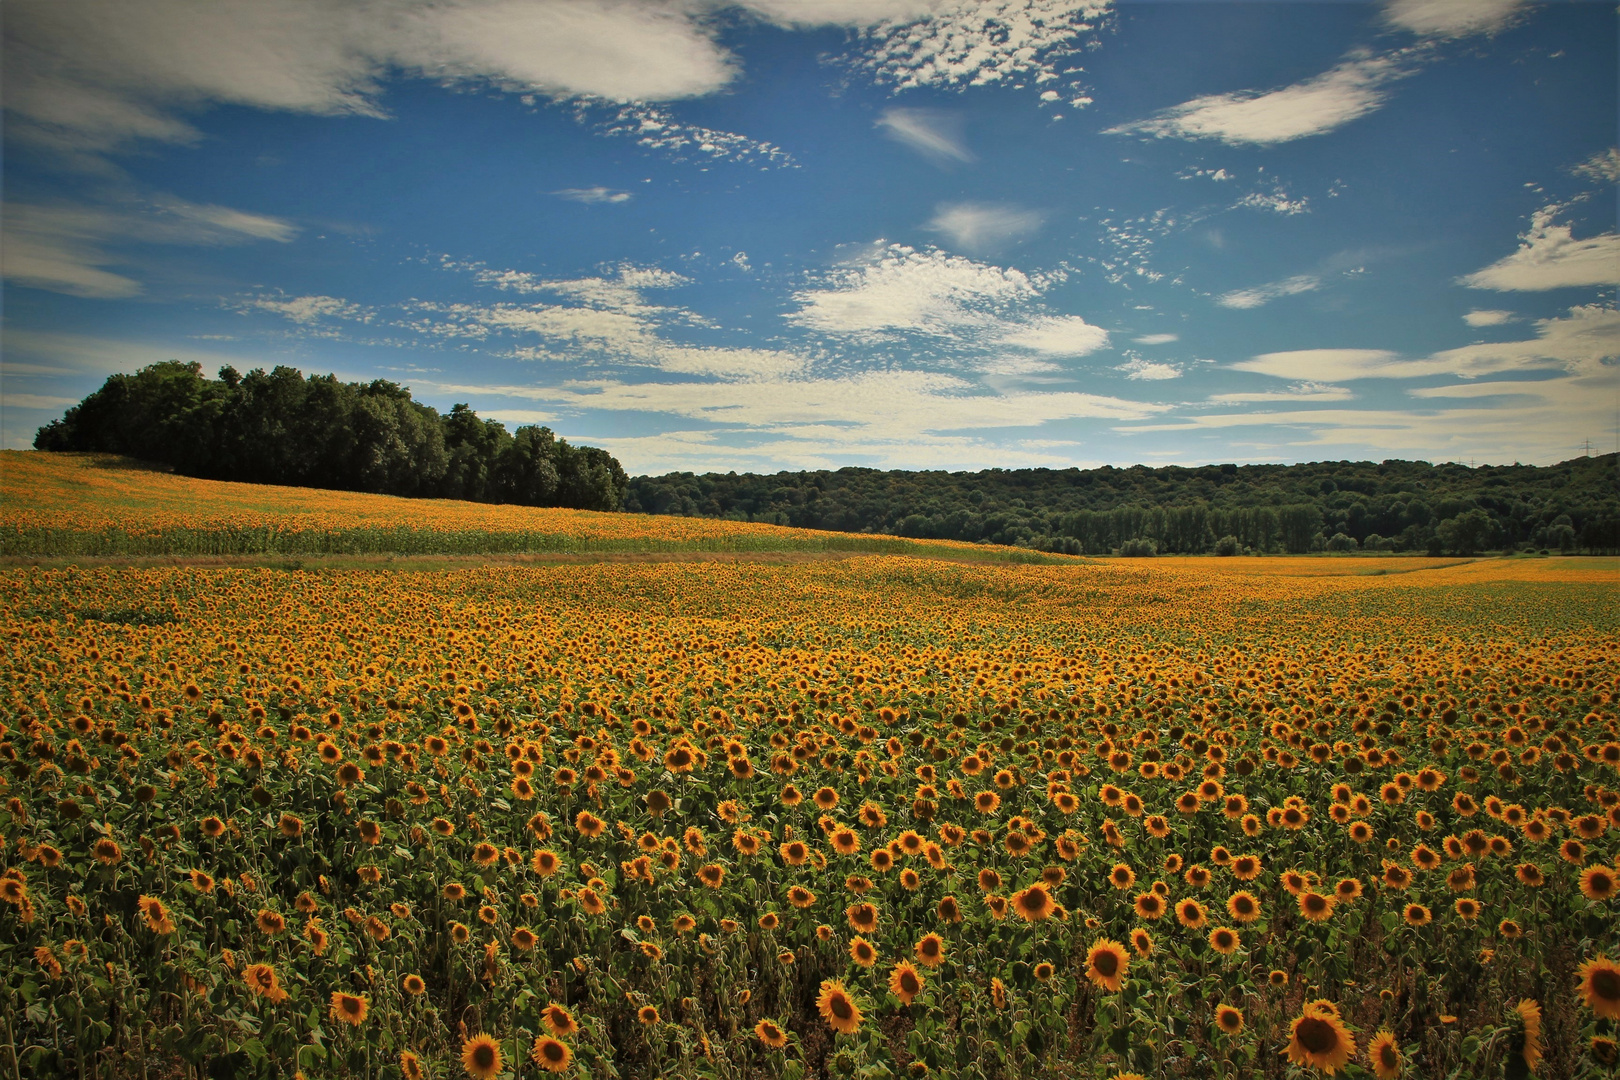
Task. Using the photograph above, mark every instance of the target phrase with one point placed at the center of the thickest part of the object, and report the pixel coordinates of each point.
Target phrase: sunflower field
(874, 817)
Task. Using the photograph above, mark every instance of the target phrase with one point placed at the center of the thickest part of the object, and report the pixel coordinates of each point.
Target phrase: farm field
(865, 817)
(100, 505)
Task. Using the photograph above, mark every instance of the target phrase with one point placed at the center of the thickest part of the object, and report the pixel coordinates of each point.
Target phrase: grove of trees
(279, 427)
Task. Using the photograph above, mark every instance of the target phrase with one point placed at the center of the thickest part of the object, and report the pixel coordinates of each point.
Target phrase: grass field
(867, 816)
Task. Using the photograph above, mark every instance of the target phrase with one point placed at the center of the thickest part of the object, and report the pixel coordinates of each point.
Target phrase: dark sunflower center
(1606, 984)
(1388, 1056)
(484, 1056)
(839, 1007)
(553, 1051)
(1106, 964)
(1317, 1035)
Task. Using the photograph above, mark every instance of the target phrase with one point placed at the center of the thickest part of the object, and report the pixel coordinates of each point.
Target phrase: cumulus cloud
(984, 227)
(1452, 18)
(1259, 295)
(1347, 92)
(1056, 335)
(961, 43)
(1549, 257)
(901, 289)
(1148, 370)
(593, 195)
(1277, 202)
(65, 247)
(937, 135)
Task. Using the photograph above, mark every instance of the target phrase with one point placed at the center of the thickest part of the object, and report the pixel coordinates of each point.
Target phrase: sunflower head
(1106, 964)
(481, 1057)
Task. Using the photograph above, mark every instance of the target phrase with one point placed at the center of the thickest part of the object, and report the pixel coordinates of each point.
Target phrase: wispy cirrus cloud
(1260, 295)
(66, 247)
(1318, 105)
(931, 132)
(1452, 18)
(984, 227)
(593, 195)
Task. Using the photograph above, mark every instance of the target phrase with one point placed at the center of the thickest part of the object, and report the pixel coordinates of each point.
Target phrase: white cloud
(1305, 391)
(593, 195)
(1351, 90)
(310, 309)
(1451, 18)
(93, 74)
(1243, 299)
(1148, 370)
(45, 402)
(879, 401)
(1056, 335)
(901, 289)
(1541, 421)
(1549, 257)
(657, 129)
(936, 134)
(85, 355)
(1277, 202)
(962, 43)
(1326, 365)
(980, 227)
(1157, 339)
(1580, 342)
(63, 247)
(1479, 317)
(1603, 166)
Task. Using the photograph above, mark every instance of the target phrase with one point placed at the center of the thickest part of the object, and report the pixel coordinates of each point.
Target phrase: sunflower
(559, 1021)
(1417, 915)
(838, 1008)
(349, 1008)
(410, 1066)
(270, 922)
(551, 1054)
(1149, 905)
(931, 951)
(481, 1057)
(647, 1014)
(800, 897)
(1384, 1056)
(1526, 1038)
(1142, 942)
(262, 980)
(1224, 940)
(1106, 964)
(863, 917)
(1229, 1019)
(1598, 883)
(1121, 876)
(1245, 867)
(108, 852)
(1190, 913)
(1314, 906)
(1600, 986)
(1468, 908)
(906, 982)
(1034, 904)
(770, 1034)
(862, 952)
(1320, 1039)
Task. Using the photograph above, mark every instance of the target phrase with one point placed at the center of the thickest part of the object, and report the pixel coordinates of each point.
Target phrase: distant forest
(1408, 506)
(279, 427)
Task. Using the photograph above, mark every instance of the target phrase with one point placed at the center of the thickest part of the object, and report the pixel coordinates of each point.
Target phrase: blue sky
(815, 233)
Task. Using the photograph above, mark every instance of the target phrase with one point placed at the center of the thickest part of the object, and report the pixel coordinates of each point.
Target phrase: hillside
(1392, 505)
(59, 505)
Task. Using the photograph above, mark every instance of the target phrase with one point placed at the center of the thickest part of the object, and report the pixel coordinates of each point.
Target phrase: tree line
(279, 427)
(1409, 506)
